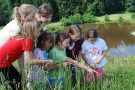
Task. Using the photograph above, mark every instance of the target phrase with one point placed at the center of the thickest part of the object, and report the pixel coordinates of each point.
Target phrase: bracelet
(87, 69)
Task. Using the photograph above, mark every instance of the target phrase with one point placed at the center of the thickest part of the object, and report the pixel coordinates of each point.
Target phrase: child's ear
(59, 43)
(42, 42)
(69, 34)
(24, 16)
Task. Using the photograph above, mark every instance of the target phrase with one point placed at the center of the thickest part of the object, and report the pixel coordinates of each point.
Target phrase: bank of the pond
(113, 18)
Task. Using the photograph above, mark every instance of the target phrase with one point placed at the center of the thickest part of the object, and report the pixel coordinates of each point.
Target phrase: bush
(77, 18)
(65, 21)
(133, 16)
(107, 18)
(120, 18)
(96, 8)
(89, 18)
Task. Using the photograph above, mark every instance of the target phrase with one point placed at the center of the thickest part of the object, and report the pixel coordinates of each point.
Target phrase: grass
(119, 74)
(112, 17)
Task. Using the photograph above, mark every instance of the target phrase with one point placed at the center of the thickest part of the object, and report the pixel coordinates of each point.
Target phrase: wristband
(87, 69)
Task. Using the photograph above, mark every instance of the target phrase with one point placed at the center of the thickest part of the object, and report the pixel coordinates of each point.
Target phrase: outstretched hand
(91, 70)
(64, 64)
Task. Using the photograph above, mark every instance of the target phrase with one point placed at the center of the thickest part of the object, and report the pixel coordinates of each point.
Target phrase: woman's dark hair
(61, 37)
(92, 33)
(45, 35)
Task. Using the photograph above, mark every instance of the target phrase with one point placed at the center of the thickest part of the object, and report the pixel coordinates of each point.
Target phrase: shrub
(89, 18)
(65, 21)
(107, 18)
(77, 18)
(133, 16)
(120, 18)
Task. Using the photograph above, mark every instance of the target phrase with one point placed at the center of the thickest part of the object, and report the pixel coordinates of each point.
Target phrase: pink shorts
(97, 76)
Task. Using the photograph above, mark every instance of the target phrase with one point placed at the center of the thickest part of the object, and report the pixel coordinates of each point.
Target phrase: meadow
(119, 73)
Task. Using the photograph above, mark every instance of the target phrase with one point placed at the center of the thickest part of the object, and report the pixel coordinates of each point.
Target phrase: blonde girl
(20, 44)
(19, 15)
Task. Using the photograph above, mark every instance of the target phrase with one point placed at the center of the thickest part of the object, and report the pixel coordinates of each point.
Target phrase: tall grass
(119, 74)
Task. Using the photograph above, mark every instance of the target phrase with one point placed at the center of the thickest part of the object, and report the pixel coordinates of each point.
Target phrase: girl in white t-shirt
(19, 15)
(94, 50)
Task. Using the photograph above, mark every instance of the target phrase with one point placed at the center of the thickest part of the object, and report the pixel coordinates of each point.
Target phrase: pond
(116, 35)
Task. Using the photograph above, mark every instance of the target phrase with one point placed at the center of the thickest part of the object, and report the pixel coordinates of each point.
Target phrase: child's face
(47, 44)
(65, 43)
(38, 31)
(46, 19)
(92, 40)
(75, 37)
(30, 16)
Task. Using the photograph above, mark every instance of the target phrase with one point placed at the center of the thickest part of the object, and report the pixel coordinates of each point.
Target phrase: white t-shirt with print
(94, 51)
(11, 29)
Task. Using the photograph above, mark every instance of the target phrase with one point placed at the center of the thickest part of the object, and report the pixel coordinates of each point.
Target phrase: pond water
(116, 35)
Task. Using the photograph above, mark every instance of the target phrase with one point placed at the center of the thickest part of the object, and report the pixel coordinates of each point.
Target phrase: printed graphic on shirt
(94, 52)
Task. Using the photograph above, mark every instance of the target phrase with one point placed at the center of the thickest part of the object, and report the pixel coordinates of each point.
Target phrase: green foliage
(112, 6)
(107, 18)
(130, 5)
(6, 11)
(120, 18)
(89, 18)
(96, 8)
(78, 19)
(133, 16)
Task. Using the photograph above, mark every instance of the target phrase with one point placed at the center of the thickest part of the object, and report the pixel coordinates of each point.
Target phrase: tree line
(66, 8)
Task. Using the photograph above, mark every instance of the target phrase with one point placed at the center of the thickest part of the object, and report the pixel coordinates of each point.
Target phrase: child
(20, 14)
(94, 50)
(58, 55)
(20, 43)
(74, 50)
(44, 14)
(38, 75)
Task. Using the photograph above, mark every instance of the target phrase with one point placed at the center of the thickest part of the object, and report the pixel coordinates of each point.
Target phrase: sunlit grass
(119, 74)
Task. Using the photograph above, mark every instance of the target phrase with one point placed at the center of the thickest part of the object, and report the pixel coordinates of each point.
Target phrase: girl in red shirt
(14, 48)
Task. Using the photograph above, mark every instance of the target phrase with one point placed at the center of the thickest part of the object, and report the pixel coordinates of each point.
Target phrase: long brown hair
(30, 29)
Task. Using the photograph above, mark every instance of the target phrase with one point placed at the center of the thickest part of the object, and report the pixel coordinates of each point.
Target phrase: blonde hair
(30, 29)
(75, 28)
(23, 9)
(45, 10)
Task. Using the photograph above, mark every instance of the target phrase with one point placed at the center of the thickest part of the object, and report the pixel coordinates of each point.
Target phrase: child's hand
(50, 63)
(64, 64)
(91, 70)
(79, 58)
(92, 65)
(98, 61)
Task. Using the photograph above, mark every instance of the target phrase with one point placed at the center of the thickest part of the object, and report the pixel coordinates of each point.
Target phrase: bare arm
(79, 56)
(78, 64)
(21, 65)
(101, 57)
(87, 61)
(56, 66)
(31, 61)
(7, 39)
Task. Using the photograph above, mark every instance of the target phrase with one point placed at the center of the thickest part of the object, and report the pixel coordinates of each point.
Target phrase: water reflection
(116, 35)
(122, 50)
